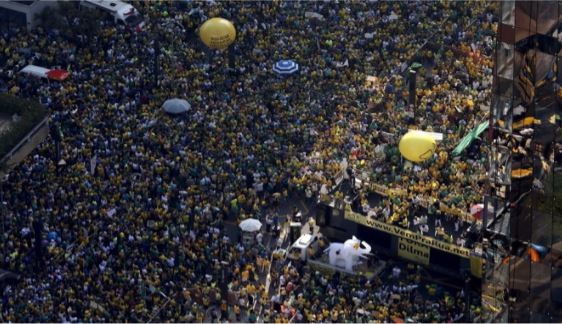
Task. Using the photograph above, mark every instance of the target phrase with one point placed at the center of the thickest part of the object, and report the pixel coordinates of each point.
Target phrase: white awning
(436, 136)
(35, 70)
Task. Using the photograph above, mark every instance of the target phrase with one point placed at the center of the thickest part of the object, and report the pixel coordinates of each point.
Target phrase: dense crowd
(397, 295)
(133, 219)
(453, 88)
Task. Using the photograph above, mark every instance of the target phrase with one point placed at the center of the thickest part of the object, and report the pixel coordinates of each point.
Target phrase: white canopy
(41, 72)
(250, 225)
(314, 15)
(436, 136)
(176, 106)
(36, 71)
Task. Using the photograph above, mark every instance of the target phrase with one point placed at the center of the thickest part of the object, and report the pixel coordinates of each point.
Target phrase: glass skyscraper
(522, 237)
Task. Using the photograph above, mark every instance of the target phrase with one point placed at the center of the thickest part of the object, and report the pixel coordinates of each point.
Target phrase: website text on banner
(404, 233)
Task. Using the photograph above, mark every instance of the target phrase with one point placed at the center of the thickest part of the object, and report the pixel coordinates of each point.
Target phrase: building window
(12, 19)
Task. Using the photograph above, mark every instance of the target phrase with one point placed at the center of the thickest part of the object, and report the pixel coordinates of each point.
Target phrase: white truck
(305, 246)
(122, 12)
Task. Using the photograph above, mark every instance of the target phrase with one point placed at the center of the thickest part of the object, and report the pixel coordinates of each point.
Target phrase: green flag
(469, 137)
(415, 65)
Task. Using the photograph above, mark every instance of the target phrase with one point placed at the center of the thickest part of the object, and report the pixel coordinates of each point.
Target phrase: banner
(396, 192)
(404, 233)
(381, 190)
(476, 266)
(413, 251)
(455, 212)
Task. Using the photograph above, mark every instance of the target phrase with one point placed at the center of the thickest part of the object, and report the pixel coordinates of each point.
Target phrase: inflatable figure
(346, 255)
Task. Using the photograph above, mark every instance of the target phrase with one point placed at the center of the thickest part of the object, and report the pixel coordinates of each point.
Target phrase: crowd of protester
(397, 295)
(132, 209)
(452, 95)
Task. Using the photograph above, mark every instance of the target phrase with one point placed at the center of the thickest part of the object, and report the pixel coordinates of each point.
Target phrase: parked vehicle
(122, 12)
(305, 246)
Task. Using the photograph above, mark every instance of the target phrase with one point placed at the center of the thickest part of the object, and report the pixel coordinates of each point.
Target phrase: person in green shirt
(252, 317)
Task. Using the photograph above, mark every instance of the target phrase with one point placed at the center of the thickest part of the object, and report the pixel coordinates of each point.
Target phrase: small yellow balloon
(417, 146)
(217, 33)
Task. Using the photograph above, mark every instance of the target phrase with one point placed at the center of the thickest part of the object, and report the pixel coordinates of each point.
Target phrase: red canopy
(396, 319)
(57, 74)
(477, 210)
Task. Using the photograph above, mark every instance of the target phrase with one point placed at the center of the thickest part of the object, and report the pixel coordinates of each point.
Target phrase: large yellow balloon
(217, 33)
(417, 146)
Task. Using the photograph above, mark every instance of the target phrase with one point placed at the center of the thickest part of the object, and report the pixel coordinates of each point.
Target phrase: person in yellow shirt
(251, 289)
(245, 275)
(264, 265)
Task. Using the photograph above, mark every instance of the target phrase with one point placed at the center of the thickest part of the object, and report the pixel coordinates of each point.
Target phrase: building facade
(14, 14)
(522, 237)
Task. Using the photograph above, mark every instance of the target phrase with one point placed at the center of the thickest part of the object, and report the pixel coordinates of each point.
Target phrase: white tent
(36, 71)
(41, 72)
